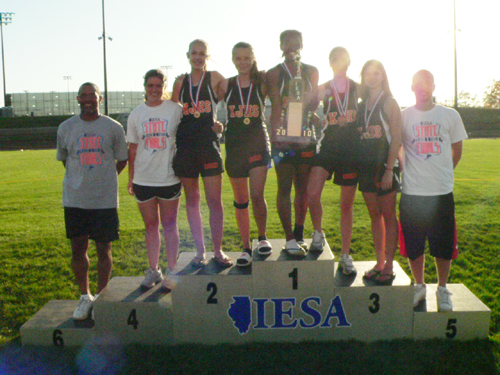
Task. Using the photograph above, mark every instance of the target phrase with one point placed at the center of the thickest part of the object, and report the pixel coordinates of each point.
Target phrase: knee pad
(241, 206)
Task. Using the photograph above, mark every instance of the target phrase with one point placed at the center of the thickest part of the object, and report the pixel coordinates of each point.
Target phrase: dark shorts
(337, 152)
(101, 225)
(146, 193)
(193, 162)
(370, 178)
(238, 165)
(431, 218)
(293, 156)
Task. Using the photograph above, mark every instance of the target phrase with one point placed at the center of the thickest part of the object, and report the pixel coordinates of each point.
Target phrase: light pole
(5, 18)
(103, 37)
(67, 78)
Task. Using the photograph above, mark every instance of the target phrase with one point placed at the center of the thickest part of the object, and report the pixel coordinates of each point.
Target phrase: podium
(278, 298)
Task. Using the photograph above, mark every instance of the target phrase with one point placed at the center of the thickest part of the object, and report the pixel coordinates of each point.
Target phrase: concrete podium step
(53, 325)
(132, 315)
(277, 299)
(470, 318)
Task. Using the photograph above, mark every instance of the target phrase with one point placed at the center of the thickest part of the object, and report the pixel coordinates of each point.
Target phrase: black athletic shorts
(238, 165)
(194, 162)
(371, 176)
(337, 152)
(146, 193)
(431, 218)
(101, 225)
(293, 156)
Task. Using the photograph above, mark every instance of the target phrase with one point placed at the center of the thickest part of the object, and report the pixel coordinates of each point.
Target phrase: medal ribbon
(245, 107)
(195, 103)
(369, 116)
(341, 107)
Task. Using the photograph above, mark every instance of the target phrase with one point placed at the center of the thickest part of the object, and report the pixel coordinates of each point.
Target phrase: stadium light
(103, 37)
(67, 78)
(5, 19)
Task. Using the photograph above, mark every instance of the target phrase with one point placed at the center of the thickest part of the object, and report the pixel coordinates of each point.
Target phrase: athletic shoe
(152, 278)
(318, 241)
(346, 264)
(419, 294)
(443, 299)
(294, 249)
(302, 244)
(244, 259)
(84, 306)
(264, 248)
(92, 313)
(169, 282)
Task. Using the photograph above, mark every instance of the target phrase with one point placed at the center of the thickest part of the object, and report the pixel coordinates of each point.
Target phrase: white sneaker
(169, 282)
(152, 278)
(294, 249)
(302, 243)
(84, 306)
(318, 241)
(244, 259)
(419, 294)
(346, 264)
(264, 248)
(443, 299)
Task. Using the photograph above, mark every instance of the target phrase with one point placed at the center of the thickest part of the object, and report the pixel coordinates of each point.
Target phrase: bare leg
(240, 190)
(192, 192)
(300, 182)
(168, 215)
(347, 194)
(213, 193)
(104, 264)
(378, 228)
(315, 187)
(284, 173)
(387, 204)
(80, 262)
(258, 177)
(417, 269)
(443, 270)
(150, 216)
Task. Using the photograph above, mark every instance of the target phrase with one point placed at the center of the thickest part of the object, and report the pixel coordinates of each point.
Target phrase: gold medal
(197, 114)
(342, 120)
(246, 121)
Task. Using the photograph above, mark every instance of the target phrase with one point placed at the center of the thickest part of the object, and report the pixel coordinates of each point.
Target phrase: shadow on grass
(351, 357)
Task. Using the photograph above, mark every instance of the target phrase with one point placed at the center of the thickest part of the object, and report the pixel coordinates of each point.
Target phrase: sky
(50, 39)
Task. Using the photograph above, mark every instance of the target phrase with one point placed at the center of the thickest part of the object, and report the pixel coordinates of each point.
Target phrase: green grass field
(35, 268)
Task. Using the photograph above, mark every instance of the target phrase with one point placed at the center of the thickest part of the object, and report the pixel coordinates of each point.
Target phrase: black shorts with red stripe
(430, 218)
(193, 162)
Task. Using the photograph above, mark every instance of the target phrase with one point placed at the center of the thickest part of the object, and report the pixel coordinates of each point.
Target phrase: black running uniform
(293, 155)
(338, 145)
(374, 151)
(198, 148)
(247, 145)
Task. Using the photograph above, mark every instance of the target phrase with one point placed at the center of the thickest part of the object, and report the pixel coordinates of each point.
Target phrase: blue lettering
(336, 310)
(314, 314)
(279, 312)
(261, 313)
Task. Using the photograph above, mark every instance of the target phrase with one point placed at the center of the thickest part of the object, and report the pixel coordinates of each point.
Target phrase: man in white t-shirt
(432, 142)
(93, 150)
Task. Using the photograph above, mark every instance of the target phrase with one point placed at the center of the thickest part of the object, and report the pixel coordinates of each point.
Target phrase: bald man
(432, 142)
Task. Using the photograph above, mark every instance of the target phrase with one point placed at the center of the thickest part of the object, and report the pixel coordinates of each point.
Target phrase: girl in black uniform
(336, 152)
(379, 120)
(247, 146)
(198, 149)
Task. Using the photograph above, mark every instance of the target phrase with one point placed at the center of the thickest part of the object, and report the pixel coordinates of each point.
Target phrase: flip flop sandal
(198, 262)
(385, 278)
(223, 261)
(372, 274)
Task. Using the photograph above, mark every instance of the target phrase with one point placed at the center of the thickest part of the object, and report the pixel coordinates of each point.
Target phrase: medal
(368, 116)
(341, 106)
(246, 107)
(195, 103)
